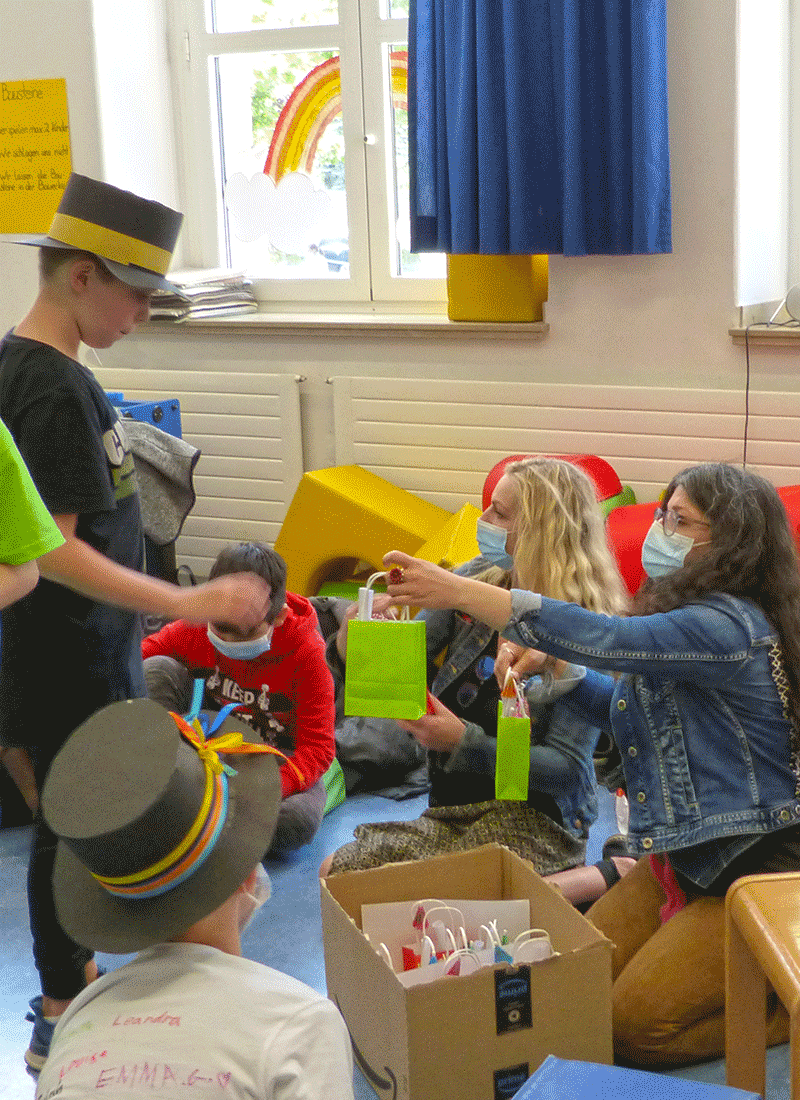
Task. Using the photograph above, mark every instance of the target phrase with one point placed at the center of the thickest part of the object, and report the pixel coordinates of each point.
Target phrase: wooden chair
(762, 944)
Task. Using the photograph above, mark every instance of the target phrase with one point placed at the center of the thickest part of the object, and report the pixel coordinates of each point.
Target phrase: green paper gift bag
(513, 760)
(385, 674)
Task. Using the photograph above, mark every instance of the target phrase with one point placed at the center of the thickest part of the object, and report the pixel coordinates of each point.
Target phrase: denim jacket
(563, 741)
(697, 715)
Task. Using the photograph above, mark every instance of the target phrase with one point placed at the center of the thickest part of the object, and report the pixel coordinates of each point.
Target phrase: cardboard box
(558, 1080)
(449, 1038)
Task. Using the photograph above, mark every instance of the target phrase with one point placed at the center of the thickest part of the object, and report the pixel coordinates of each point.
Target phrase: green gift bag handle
(513, 758)
(386, 669)
(365, 597)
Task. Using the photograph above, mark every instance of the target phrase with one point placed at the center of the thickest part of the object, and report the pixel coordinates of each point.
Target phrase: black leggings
(59, 959)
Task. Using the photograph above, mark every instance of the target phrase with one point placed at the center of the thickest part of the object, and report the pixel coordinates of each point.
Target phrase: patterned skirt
(441, 829)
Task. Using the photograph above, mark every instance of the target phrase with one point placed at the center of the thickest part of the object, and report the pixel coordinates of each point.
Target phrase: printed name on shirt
(164, 1018)
(159, 1075)
(75, 1029)
(86, 1060)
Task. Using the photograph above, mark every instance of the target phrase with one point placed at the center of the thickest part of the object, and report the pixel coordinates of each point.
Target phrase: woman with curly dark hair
(706, 717)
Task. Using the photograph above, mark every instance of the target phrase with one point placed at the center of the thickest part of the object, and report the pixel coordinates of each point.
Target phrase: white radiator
(439, 438)
(247, 426)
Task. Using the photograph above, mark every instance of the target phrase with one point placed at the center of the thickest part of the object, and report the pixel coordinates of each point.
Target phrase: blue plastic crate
(165, 414)
(160, 561)
(557, 1079)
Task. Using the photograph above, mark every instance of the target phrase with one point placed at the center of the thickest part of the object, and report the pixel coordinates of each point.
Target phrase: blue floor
(286, 934)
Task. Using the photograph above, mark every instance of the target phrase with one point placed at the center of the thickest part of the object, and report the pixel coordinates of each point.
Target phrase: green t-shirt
(27, 530)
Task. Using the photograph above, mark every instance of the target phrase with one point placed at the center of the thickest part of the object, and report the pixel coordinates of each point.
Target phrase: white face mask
(241, 651)
(251, 903)
(663, 553)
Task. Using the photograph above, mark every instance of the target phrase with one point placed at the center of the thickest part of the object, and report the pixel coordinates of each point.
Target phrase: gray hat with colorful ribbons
(158, 824)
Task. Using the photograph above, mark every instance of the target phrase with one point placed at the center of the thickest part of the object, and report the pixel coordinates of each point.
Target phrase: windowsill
(349, 324)
(767, 335)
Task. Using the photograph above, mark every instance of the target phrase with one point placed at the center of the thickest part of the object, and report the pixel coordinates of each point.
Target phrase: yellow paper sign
(35, 160)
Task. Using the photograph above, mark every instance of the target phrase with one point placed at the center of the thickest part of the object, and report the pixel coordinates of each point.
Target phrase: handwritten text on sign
(35, 160)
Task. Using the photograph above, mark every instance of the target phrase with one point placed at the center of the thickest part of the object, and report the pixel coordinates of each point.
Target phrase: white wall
(657, 321)
(40, 40)
(135, 97)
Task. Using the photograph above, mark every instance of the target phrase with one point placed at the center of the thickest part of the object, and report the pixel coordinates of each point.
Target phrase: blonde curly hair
(560, 544)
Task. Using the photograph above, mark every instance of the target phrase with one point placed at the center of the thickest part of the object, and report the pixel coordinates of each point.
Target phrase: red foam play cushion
(790, 495)
(602, 473)
(626, 527)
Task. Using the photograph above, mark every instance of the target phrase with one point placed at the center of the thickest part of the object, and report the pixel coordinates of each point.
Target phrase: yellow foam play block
(496, 288)
(455, 542)
(345, 515)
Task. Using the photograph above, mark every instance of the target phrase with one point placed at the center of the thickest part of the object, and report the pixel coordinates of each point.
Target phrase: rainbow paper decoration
(313, 104)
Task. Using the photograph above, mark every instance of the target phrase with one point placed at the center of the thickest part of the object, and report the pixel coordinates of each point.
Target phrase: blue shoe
(36, 1054)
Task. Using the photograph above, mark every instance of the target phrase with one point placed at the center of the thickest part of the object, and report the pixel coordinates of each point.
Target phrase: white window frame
(767, 157)
(367, 126)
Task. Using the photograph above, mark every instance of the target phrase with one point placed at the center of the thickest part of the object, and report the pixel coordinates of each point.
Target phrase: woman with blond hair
(706, 716)
(543, 529)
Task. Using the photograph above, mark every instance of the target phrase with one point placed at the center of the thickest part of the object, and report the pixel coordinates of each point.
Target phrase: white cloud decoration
(288, 214)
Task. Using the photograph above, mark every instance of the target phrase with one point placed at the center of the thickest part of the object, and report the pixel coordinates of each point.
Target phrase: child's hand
(441, 731)
(241, 599)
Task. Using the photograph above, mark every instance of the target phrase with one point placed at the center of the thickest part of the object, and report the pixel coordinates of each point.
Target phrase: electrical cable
(747, 393)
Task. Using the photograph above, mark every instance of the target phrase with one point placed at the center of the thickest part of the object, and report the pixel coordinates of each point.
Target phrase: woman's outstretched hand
(418, 583)
(522, 662)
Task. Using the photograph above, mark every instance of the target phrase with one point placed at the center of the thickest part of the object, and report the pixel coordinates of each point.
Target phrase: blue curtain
(538, 126)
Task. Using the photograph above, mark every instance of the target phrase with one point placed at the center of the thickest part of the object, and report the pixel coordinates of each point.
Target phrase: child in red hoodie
(278, 676)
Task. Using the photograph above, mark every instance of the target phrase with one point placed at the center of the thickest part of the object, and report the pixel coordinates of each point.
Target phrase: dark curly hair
(752, 555)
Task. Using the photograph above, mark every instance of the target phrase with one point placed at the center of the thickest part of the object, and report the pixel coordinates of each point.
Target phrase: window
(765, 264)
(768, 156)
(295, 157)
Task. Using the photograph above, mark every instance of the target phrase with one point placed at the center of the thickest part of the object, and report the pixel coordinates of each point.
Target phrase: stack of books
(213, 292)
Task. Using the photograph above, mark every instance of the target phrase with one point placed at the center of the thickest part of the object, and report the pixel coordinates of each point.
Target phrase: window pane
(397, 8)
(245, 15)
(423, 265)
(283, 164)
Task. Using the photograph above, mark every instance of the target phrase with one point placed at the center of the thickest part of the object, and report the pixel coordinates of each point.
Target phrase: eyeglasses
(672, 521)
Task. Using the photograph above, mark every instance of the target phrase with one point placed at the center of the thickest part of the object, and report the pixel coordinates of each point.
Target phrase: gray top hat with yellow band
(157, 826)
(134, 237)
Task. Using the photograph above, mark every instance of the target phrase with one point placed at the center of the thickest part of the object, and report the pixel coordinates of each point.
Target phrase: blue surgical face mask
(663, 553)
(241, 651)
(492, 544)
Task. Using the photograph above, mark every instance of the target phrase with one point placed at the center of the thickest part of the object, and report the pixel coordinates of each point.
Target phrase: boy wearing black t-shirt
(73, 645)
